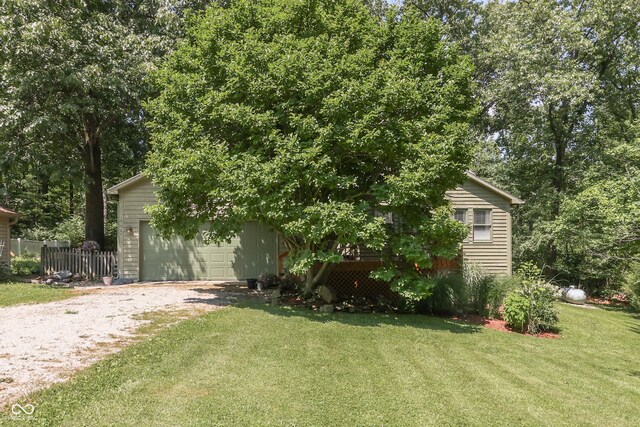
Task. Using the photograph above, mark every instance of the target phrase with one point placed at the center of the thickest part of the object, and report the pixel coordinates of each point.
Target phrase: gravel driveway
(42, 344)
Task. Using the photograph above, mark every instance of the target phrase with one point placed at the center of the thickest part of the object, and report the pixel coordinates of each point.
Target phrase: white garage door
(252, 252)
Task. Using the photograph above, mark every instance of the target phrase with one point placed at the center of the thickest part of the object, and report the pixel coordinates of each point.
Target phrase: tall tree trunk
(94, 214)
(72, 208)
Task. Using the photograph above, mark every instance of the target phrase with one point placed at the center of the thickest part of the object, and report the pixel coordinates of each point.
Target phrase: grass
(27, 293)
(256, 365)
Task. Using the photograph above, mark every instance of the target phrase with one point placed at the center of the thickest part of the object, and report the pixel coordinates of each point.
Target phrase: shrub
(516, 310)
(632, 285)
(269, 279)
(448, 295)
(290, 282)
(531, 308)
(497, 292)
(25, 264)
(486, 292)
(71, 229)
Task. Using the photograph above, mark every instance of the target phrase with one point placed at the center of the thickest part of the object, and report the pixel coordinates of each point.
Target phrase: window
(481, 225)
(460, 215)
(387, 216)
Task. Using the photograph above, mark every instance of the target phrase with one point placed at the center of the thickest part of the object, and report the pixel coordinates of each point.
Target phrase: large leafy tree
(314, 118)
(560, 87)
(72, 76)
(599, 228)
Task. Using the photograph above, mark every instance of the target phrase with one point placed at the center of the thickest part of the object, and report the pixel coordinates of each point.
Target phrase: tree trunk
(72, 208)
(314, 278)
(94, 213)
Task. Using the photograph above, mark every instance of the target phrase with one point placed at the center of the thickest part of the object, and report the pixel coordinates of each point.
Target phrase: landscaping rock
(62, 275)
(276, 294)
(327, 293)
(326, 308)
(122, 281)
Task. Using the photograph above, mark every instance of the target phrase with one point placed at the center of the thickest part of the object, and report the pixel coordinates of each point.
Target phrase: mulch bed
(365, 306)
(498, 325)
(619, 301)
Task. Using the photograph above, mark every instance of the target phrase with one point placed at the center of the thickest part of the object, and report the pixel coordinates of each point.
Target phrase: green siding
(494, 255)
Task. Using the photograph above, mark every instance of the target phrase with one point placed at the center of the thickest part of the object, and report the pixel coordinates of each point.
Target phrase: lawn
(262, 366)
(28, 293)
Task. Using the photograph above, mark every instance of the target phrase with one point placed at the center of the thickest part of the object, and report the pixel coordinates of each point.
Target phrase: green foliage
(471, 291)
(516, 311)
(73, 77)
(531, 308)
(599, 228)
(448, 295)
(496, 293)
(632, 285)
(486, 292)
(71, 229)
(411, 285)
(562, 129)
(24, 264)
(309, 118)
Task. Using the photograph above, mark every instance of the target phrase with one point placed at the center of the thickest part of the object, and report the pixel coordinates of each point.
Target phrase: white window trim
(473, 224)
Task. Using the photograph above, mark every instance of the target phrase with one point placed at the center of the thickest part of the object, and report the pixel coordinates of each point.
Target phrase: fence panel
(91, 264)
(20, 246)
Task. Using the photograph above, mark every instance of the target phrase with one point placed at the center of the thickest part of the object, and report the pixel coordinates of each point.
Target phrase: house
(142, 255)
(7, 219)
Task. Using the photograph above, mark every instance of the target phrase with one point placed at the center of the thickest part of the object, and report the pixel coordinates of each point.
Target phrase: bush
(531, 308)
(289, 282)
(71, 229)
(473, 290)
(632, 285)
(486, 291)
(497, 293)
(449, 295)
(25, 264)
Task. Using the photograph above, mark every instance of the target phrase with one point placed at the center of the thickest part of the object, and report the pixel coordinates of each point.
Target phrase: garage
(143, 255)
(250, 253)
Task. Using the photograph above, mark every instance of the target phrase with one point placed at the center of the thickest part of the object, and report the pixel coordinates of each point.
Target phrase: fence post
(19, 246)
(43, 254)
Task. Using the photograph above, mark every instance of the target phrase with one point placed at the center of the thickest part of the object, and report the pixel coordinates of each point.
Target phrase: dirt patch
(498, 325)
(44, 344)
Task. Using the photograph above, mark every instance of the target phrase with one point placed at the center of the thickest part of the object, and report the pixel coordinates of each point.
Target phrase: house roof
(470, 175)
(510, 197)
(126, 183)
(8, 212)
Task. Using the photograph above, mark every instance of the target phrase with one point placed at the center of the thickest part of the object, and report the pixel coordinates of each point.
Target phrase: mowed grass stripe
(274, 366)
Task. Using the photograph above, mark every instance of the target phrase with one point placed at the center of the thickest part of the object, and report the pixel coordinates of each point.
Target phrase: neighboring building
(142, 255)
(7, 218)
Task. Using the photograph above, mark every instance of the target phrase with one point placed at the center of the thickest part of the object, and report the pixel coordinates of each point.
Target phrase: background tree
(73, 76)
(560, 87)
(309, 118)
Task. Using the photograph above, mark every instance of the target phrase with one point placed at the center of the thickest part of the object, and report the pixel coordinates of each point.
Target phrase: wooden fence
(91, 264)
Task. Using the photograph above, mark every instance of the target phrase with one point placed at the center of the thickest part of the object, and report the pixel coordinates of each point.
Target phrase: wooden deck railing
(91, 264)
